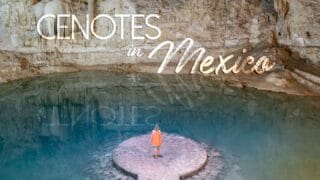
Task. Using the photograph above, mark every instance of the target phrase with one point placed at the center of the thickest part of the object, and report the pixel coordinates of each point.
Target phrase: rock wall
(298, 27)
(285, 31)
(217, 25)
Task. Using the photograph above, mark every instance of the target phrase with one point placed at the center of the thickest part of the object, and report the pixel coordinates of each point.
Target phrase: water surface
(51, 126)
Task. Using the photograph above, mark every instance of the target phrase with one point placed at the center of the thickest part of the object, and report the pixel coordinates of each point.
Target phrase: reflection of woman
(156, 140)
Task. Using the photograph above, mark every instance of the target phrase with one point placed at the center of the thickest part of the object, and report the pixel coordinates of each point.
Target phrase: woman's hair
(156, 127)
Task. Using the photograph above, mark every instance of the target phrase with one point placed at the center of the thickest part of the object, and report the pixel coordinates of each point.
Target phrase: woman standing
(156, 140)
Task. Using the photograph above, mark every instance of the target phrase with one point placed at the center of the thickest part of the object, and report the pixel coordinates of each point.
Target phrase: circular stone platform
(181, 157)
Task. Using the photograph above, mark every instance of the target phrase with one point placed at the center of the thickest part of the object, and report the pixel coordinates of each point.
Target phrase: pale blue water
(50, 126)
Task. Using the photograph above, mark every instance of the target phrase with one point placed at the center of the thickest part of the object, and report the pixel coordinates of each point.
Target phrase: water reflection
(47, 116)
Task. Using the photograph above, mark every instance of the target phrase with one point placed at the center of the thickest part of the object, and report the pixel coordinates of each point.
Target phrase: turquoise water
(51, 126)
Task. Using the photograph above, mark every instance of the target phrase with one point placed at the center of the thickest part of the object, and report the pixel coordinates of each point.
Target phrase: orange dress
(156, 138)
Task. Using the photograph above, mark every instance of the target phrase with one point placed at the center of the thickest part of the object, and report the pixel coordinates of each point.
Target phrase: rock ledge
(181, 157)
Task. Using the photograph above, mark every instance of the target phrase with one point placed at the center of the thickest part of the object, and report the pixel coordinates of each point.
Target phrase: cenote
(53, 127)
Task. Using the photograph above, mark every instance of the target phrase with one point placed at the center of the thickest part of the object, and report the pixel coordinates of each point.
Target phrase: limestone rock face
(220, 26)
(298, 27)
(283, 30)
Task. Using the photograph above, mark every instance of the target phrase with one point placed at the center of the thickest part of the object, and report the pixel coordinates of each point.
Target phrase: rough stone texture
(181, 157)
(212, 23)
(102, 167)
(298, 27)
(309, 80)
(286, 31)
(220, 26)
